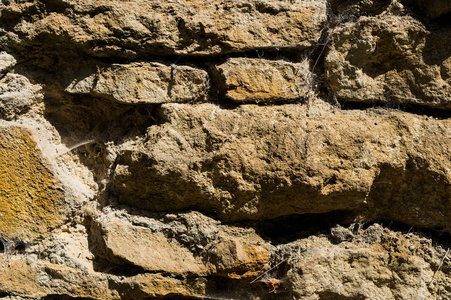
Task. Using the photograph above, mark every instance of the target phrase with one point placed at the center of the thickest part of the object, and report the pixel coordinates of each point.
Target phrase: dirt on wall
(225, 149)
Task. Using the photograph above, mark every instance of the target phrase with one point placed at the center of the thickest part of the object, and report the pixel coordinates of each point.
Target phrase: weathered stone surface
(391, 59)
(57, 279)
(6, 62)
(184, 27)
(375, 263)
(31, 198)
(17, 94)
(144, 286)
(118, 208)
(19, 278)
(37, 279)
(52, 269)
(349, 8)
(144, 83)
(262, 80)
(262, 162)
(184, 244)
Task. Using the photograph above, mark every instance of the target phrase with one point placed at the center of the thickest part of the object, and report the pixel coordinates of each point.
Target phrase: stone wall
(265, 149)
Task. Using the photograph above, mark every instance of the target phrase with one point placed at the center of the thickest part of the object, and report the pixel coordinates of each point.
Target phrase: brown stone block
(262, 80)
(144, 83)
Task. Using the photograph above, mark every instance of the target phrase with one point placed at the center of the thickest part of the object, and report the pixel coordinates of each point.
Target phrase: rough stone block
(262, 80)
(6, 62)
(17, 94)
(393, 60)
(128, 28)
(181, 244)
(145, 83)
(257, 162)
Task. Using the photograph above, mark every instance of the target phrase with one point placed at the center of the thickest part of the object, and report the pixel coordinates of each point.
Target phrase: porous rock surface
(394, 60)
(6, 62)
(371, 263)
(255, 80)
(144, 83)
(17, 93)
(183, 244)
(129, 28)
(225, 149)
(265, 162)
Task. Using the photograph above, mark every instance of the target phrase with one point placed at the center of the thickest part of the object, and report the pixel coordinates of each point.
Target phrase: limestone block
(370, 262)
(17, 94)
(144, 83)
(257, 162)
(37, 279)
(6, 62)
(31, 198)
(127, 28)
(376, 264)
(151, 250)
(394, 60)
(184, 244)
(20, 278)
(262, 80)
(148, 285)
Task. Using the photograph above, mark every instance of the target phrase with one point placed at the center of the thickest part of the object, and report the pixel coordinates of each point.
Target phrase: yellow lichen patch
(31, 199)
